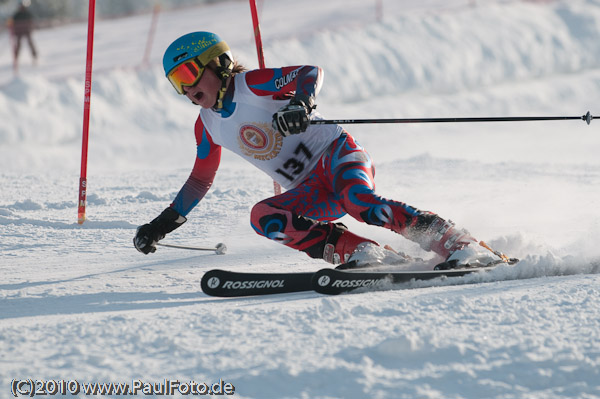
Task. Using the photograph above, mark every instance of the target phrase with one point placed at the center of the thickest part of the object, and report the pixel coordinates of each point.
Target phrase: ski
(343, 279)
(223, 283)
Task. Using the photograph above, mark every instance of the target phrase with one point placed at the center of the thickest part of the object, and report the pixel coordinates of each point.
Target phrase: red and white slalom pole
(261, 59)
(257, 37)
(86, 114)
(151, 34)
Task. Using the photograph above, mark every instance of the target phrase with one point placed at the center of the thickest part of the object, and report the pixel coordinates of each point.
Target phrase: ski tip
(210, 281)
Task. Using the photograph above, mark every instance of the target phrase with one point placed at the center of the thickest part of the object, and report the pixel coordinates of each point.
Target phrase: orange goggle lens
(186, 74)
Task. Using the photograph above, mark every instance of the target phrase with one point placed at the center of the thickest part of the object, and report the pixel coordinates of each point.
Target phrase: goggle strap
(221, 94)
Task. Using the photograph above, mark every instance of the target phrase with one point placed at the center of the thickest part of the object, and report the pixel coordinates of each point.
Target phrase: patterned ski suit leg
(349, 169)
(351, 175)
(342, 183)
(302, 218)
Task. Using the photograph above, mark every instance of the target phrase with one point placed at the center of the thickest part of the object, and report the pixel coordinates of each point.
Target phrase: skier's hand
(293, 118)
(149, 234)
(146, 238)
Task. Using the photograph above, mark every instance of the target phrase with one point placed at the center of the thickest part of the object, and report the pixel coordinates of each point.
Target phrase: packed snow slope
(78, 303)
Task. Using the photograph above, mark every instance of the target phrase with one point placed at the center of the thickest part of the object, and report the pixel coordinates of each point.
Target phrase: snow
(80, 303)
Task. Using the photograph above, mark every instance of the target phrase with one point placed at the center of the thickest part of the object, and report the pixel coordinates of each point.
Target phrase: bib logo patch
(259, 141)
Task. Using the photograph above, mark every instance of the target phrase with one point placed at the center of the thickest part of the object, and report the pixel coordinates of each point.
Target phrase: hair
(238, 67)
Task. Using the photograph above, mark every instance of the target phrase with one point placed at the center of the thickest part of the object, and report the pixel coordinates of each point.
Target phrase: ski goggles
(186, 74)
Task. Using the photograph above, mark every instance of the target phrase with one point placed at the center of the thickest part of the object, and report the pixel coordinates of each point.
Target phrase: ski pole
(587, 118)
(219, 249)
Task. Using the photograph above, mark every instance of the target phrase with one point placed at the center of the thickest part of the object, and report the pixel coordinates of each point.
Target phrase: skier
(264, 116)
(22, 27)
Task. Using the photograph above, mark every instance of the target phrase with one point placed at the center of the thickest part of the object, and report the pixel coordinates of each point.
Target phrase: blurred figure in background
(21, 28)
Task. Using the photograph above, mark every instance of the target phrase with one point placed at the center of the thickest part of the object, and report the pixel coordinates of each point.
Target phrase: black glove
(149, 234)
(293, 118)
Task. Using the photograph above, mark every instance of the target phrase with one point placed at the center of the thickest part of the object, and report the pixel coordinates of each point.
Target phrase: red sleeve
(208, 158)
(283, 83)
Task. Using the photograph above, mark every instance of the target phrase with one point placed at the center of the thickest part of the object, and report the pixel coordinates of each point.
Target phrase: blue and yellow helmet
(204, 46)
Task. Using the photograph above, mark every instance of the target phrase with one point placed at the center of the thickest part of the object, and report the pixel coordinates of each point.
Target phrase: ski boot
(474, 255)
(369, 255)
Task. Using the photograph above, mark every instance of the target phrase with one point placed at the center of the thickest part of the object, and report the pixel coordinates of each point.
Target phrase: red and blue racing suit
(327, 173)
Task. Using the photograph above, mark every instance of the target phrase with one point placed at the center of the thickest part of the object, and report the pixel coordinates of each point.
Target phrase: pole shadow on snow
(101, 302)
(93, 303)
(14, 306)
(160, 263)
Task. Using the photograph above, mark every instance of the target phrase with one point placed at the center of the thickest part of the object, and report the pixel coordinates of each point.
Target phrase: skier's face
(205, 92)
